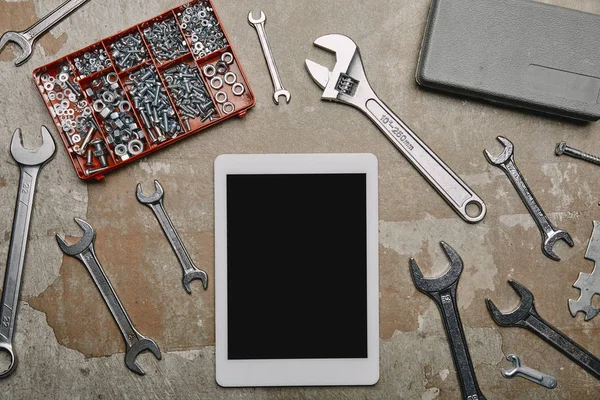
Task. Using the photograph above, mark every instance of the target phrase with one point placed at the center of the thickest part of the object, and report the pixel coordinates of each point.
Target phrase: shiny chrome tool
(528, 373)
(588, 284)
(348, 84)
(30, 162)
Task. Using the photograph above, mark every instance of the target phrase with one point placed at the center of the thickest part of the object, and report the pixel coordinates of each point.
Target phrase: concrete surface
(69, 347)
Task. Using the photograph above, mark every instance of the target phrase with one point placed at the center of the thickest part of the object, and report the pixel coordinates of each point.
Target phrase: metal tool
(135, 342)
(30, 162)
(526, 316)
(259, 25)
(550, 234)
(347, 84)
(528, 373)
(562, 148)
(25, 39)
(443, 292)
(155, 202)
(588, 284)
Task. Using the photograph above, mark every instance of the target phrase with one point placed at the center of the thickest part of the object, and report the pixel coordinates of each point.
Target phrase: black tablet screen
(297, 266)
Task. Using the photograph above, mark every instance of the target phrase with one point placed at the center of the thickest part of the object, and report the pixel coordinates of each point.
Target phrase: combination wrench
(30, 163)
(531, 374)
(135, 342)
(550, 234)
(155, 202)
(348, 84)
(443, 292)
(259, 25)
(526, 316)
(26, 39)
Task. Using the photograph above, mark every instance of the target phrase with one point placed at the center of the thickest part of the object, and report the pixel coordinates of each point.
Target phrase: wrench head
(143, 344)
(511, 373)
(506, 154)
(89, 235)
(154, 198)
(284, 93)
(253, 21)
(32, 157)
(7, 348)
(190, 276)
(518, 315)
(443, 282)
(550, 241)
(18, 39)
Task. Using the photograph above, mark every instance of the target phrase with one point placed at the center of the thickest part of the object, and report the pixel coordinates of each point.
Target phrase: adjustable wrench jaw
(142, 344)
(435, 285)
(518, 316)
(85, 243)
(32, 157)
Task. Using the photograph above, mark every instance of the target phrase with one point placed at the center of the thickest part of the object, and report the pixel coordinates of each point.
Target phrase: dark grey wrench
(135, 342)
(443, 292)
(30, 162)
(155, 202)
(26, 39)
(526, 316)
(550, 234)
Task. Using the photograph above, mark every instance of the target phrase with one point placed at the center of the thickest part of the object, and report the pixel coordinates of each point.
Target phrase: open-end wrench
(550, 234)
(531, 374)
(348, 84)
(25, 39)
(135, 342)
(259, 25)
(155, 202)
(588, 284)
(30, 162)
(526, 316)
(443, 292)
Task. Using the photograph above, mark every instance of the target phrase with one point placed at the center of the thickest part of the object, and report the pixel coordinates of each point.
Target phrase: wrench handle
(266, 48)
(54, 17)
(16, 251)
(446, 302)
(456, 192)
(89, 259)
(564, 344)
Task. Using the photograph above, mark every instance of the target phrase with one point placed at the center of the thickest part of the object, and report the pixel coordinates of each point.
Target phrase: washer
(63, 77)
(227, 57)
(220, 97)
(228, 107)
(135, 147)
(238, 89)
(216, 83)
(230, 78)
(209, 70)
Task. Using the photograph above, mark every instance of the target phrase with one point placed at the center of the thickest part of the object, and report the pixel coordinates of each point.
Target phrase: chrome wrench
(135, 342)
(26, 39)
(550, 234)
(155, 202)
(30, 163)
(528, 373)
(259, 25)
(348, 84)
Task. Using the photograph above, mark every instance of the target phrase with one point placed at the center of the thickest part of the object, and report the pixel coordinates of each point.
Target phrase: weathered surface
(67, 343)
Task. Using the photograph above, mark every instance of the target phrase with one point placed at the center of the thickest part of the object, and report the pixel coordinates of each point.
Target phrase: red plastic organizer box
(144, 88)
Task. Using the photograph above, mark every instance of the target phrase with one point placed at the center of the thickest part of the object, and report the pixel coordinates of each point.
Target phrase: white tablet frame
(296, 372)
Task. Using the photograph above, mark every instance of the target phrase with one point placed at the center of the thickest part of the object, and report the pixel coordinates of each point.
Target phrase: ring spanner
(348, 84)
(135, 342)
(30, 162)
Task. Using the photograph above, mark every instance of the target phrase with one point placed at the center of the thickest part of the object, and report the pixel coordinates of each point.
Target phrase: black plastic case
(516, 52)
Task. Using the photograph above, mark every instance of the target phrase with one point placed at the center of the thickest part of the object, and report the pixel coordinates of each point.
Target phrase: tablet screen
(297, 266)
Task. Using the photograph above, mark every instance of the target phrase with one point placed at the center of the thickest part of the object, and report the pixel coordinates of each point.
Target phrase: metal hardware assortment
(222, 67)
(92, 61)
(165, 40)
(528, 373)
(588, 284)
(562, 148)
(30, 163)
(129, 51)
(202, 28)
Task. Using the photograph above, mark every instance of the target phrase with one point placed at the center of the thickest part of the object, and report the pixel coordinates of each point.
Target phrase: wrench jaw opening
(515, 369)
(32, 157)
(89, 235)
(188, 277)
(7, 348)
(506, 155)
(549, 243)
(18, 39)
(143, 344)
(154, 198)
(449, 278)
(518, 316)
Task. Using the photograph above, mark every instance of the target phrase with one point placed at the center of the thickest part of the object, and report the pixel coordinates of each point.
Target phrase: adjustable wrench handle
(89, 259)
(564, 344)
(456, 192)
(446, 302)
(54, 17)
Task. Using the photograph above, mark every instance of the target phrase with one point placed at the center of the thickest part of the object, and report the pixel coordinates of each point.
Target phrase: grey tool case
(516, 52)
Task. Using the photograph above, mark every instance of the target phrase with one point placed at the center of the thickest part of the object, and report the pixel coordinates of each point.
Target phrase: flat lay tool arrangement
(165, 79)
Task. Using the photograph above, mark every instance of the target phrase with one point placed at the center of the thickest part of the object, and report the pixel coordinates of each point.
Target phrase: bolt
(89, 162)
(99, 152)
(562, 148)
(89, 172)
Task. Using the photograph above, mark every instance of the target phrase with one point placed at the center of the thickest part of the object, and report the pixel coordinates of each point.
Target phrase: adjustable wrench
(526, 316)
(443, 292)
(550, 234)
(27, 38)
(135, 342)
(259, 25)
(528, 373)
(155, 202)
(30, 162)
(348, 84)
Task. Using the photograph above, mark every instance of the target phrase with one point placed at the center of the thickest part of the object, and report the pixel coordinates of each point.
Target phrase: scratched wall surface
(67, 343)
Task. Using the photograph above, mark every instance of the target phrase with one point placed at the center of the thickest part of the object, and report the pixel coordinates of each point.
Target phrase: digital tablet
(296, 270)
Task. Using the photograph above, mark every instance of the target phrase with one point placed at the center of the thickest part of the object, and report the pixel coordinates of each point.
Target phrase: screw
(99, 151)
(562, 148)
(89, 162)
(89, 172)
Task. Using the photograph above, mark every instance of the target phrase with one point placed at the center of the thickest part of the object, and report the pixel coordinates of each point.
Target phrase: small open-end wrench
(26, 39)
(135, 342)
(155, 202)
(259, 25)
(588, 284)
(30, 162)
(348, 84)
(443, 292)
(528, 373)
(526, 316)
(550, 234)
